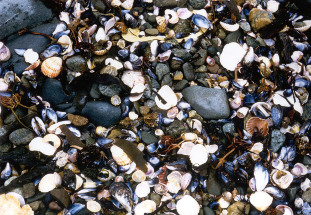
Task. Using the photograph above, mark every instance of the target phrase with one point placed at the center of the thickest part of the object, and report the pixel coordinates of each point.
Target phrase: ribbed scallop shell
(259, 125)
(52, 67)
(119, 156)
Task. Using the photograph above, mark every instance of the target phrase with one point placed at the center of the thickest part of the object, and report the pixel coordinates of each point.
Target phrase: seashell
(144, 207)
(223, 203)
(49, 182)
(52, 139)
(119, 156)
(275, 192)
(242, 112)
(261, 200)
(172, 16)
(37, 144)
(185, 148)
(281, 178)
(198, 155)
(189, 136)
(231, 55)
(185, 180)
(105, 175)
(142, 189)
(284, 208)
(53, 128)
(121, 192)
(211, 148)
(6, 172)
(116, 3)
(161, 24)
(64, 16)
(195, 125)
(256, 149)
(52, 67)
(236, 103)
(109, 61)
(3, 85)
(66, 43)
(115, 100)
(101, 35)
(121, 43)
(31, 56)
(210, 61)
(137, 92)
(261, 109)
(130, 21)
(165, 56)
(261, 175)
(187, 205)
(298, 203)
(160, 189)
(93, 206)
(250, 56)
(127, 4)
(11, 205)
(299, 170)
(131, 78)
(184, 13)
(5, 53)
(173, 187)
(51, 51)
(305, 185)
(139, 176)
(230, 27)
(302, 26)
(169, 97)
(61, 26)
(202, 21)
(105, 51)
(257, 125)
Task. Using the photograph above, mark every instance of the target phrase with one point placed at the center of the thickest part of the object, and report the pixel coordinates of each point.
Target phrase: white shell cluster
(43, 144)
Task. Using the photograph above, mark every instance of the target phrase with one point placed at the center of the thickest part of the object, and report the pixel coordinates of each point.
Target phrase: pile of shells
(160, 107)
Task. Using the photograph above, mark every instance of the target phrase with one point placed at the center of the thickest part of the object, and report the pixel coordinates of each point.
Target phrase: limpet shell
(93, 206)
(168, 95)
(119, 156)
(52, 67)
(49, 182)
(256, 124)
(187, 205)
(261, 200)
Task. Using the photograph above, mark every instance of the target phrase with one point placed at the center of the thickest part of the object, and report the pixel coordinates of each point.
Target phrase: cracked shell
(120, 156)
(52, 67)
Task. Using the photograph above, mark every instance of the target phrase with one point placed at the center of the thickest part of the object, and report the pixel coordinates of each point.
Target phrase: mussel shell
(52, 50)
(130, 21)
(277, 115)
(123, 53)
(201, 21)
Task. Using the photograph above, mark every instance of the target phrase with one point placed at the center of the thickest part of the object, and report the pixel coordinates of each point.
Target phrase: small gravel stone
(61, 196)
(208, 211)
(152, 31)
(188, 71)
(148, 138)
(212, 185)
(180, 85)
(181, 53)
(260, 18)
(109, 90)
(228, 128)
(76, 64)
(277, 140)
(197, 4)
(29, 190)
(306, 196)
(21, 136)
(161, 70)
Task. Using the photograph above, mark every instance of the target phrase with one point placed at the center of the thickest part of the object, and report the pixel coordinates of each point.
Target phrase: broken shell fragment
(142, 189)
(281, 178)
(168, 98)
(5, 53)
(147, 206)
(261, 200)
(49, 182)
(37, 144)
(119, 156)
(93, 206)
(198, 155)
(230, 27)
(31, 56)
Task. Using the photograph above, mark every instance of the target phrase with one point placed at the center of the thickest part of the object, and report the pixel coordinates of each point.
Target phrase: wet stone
(167, 80)
(208, 102)
(183, 27)
(197, 4)
(259, 18)
(208, 211)
(176, 128)
(21, 136)
(101, 113)
(29, 190)
(228, 128)
(76, 64)
(233, 37)
(212, 185)
(306, 160)
(148, 138)
(110, 90)
(161, 70)
(306, 196)
(52, 92)
(181, 84)
(182, 53)
(200, 57)
(239, 208)
(277, 140)
(169, 3)
(95, 92)
(292, 191)
(61, 196)
(152, 31)
(11, 117)
(188, 71)
(307, 110)
(35, 205)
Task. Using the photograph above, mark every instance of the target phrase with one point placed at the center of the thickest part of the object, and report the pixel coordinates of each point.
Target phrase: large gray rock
(18, 14)
(36, 42)
(210, 103)
(169, 3)
(101, 113)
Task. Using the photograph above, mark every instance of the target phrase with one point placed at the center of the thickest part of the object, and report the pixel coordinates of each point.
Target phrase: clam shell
(172, 16)
(230, 27)
(93, 206)
(131, 78)
(185, 148)
(261, 200)
(52, 67)
(261, 175)
(49, 182)
(139, 176)
(198, 155)
(187, 205)
(66, 43)
(147, 206)
(189, 136)
(174, 176)
(5, 53)
(142, 189)
(137, 92)
(184, 13)
(281, 178)
(37, 144)
(168, 95)
(285, 209)
(201, 21)
(31, 56)
(185, 180)
(299, 169)
(273, 6)
(173, 187)
(160, 189)
(101, 35)
(119, 156)
(231, 55)
(256, 124)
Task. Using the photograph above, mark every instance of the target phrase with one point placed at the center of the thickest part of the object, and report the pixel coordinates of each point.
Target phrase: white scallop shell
(230, 27)
(261, 200)
(231, 55)
(49, 182)
(198, 155)
(37, 144)
(31, 56)
(3, 86)
(187, 206)
(142, 189)
(93, 206)
(168, 95)
(147, 206)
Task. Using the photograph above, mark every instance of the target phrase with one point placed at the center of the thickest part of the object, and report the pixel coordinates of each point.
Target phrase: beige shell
(5, 53)
(49, 182)
(139, 176)
(261, 200)
(119, 156)
(52, 138)
(281, 178)
(256, 149)
(131, 78)
(9, 205)
(230, 27)
(52, 67)
(173, 187)
(66, 43)
(147, 206)
(198, 155)
(142, 189)
(93, 206)
(187, 205)
(242, 112)
(137, 92)
(172, 16)
(37, 144)
(168, 95)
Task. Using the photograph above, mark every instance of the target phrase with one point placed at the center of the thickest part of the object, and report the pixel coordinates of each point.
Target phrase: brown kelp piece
(70, 137)
(133, 153)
